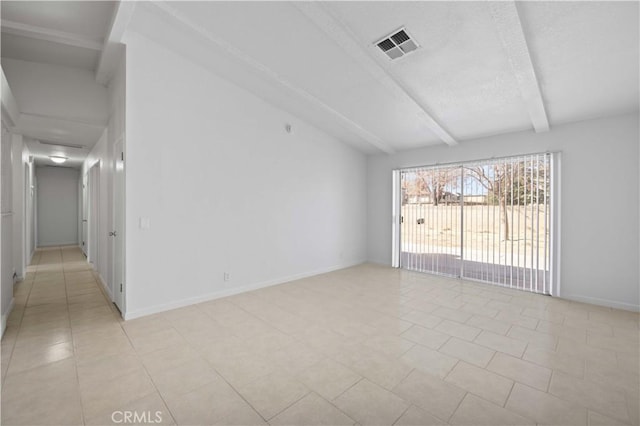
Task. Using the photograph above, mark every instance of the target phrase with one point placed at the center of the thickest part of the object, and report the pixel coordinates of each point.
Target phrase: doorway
(93, 214)
(85, 216)
(119, 226)
(487, 220)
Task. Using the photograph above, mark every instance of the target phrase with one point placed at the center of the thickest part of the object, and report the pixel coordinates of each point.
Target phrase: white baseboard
(5, 317)
(105, 287)
(232, 291)
(602, 302)
(578, 298)
(71, 244)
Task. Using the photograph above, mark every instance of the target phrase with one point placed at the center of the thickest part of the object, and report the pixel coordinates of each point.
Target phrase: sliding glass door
(488, 220)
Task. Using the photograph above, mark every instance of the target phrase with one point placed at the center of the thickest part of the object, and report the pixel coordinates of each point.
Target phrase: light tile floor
(364, 345)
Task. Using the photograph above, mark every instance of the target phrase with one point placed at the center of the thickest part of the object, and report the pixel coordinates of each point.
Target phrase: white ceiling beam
(346, 39)
(273, 76)
(61, 119)
(505, 15)
(9, 104)
(47, 34)
(110, 56)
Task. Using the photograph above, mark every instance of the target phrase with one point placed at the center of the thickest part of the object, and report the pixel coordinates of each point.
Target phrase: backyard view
(488, 221)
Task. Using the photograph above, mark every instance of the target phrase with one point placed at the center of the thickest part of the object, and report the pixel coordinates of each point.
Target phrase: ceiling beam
(55, 118)
(9, 104)
(47, 34)
(507, 21)
(273, 76)
(331, 25)
(110, 56)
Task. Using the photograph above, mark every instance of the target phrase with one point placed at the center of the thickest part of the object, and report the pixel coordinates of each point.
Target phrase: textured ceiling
(482, 68)
(320, 61)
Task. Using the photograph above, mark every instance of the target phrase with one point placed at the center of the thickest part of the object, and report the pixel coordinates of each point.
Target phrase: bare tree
(433, 182)
(497, 179)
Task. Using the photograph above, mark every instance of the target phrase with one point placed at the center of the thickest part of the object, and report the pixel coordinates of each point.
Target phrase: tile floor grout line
(549, 382)
(309, 391)
(402, 414)
(236, 390)
(453, 413)
(13, 346)
(73, 346)
(513, 385)
(352, 386)
(155, 387)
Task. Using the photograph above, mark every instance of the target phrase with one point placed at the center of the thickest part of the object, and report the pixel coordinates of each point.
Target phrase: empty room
(320, 213)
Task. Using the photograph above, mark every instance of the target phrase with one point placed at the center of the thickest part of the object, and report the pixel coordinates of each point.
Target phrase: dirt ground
(483, 233)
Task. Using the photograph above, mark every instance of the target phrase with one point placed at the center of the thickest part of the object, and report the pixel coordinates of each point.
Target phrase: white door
(85, 214)
(118, 228)
(93, 193)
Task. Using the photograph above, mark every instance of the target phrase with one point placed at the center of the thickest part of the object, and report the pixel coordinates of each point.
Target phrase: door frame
(93, 214)
(555, 158)
(118, 226)
(84, 215)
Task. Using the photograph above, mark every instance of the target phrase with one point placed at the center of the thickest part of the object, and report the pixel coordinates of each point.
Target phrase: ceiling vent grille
(397, 44)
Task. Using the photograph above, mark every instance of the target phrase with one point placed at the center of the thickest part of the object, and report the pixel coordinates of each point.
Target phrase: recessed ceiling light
(58, 159)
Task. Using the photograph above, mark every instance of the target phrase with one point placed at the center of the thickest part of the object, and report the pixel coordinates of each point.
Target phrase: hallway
(59, 305)
(362, 345)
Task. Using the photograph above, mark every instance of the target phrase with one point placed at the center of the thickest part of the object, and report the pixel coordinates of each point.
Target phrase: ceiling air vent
(397, 44)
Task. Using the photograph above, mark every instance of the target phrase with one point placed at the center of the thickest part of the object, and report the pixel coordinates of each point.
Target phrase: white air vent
(397, 44)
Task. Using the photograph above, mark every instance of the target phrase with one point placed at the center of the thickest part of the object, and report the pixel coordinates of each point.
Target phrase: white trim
(47, 34)
(9, 105)
(5, 316)
(603, 302)
(60, 119)
(556, 240)
(396, 213)
(109, 57)
(72, 243)
(233, 291)
(104, 285)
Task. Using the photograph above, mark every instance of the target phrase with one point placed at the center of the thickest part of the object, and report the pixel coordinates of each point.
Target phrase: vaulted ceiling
(481, 68)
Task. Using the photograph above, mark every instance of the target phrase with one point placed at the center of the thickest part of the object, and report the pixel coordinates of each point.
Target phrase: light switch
(145, 223)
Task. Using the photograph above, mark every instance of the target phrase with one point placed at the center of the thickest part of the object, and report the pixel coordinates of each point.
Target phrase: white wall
(6, 227)
(226, 189)
(599, 205)
(57, 205)
(18, 205)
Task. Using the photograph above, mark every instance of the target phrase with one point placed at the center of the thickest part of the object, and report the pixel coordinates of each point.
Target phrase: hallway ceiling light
(58, 159)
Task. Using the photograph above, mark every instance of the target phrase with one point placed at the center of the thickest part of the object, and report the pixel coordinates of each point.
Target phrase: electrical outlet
(226, 276)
